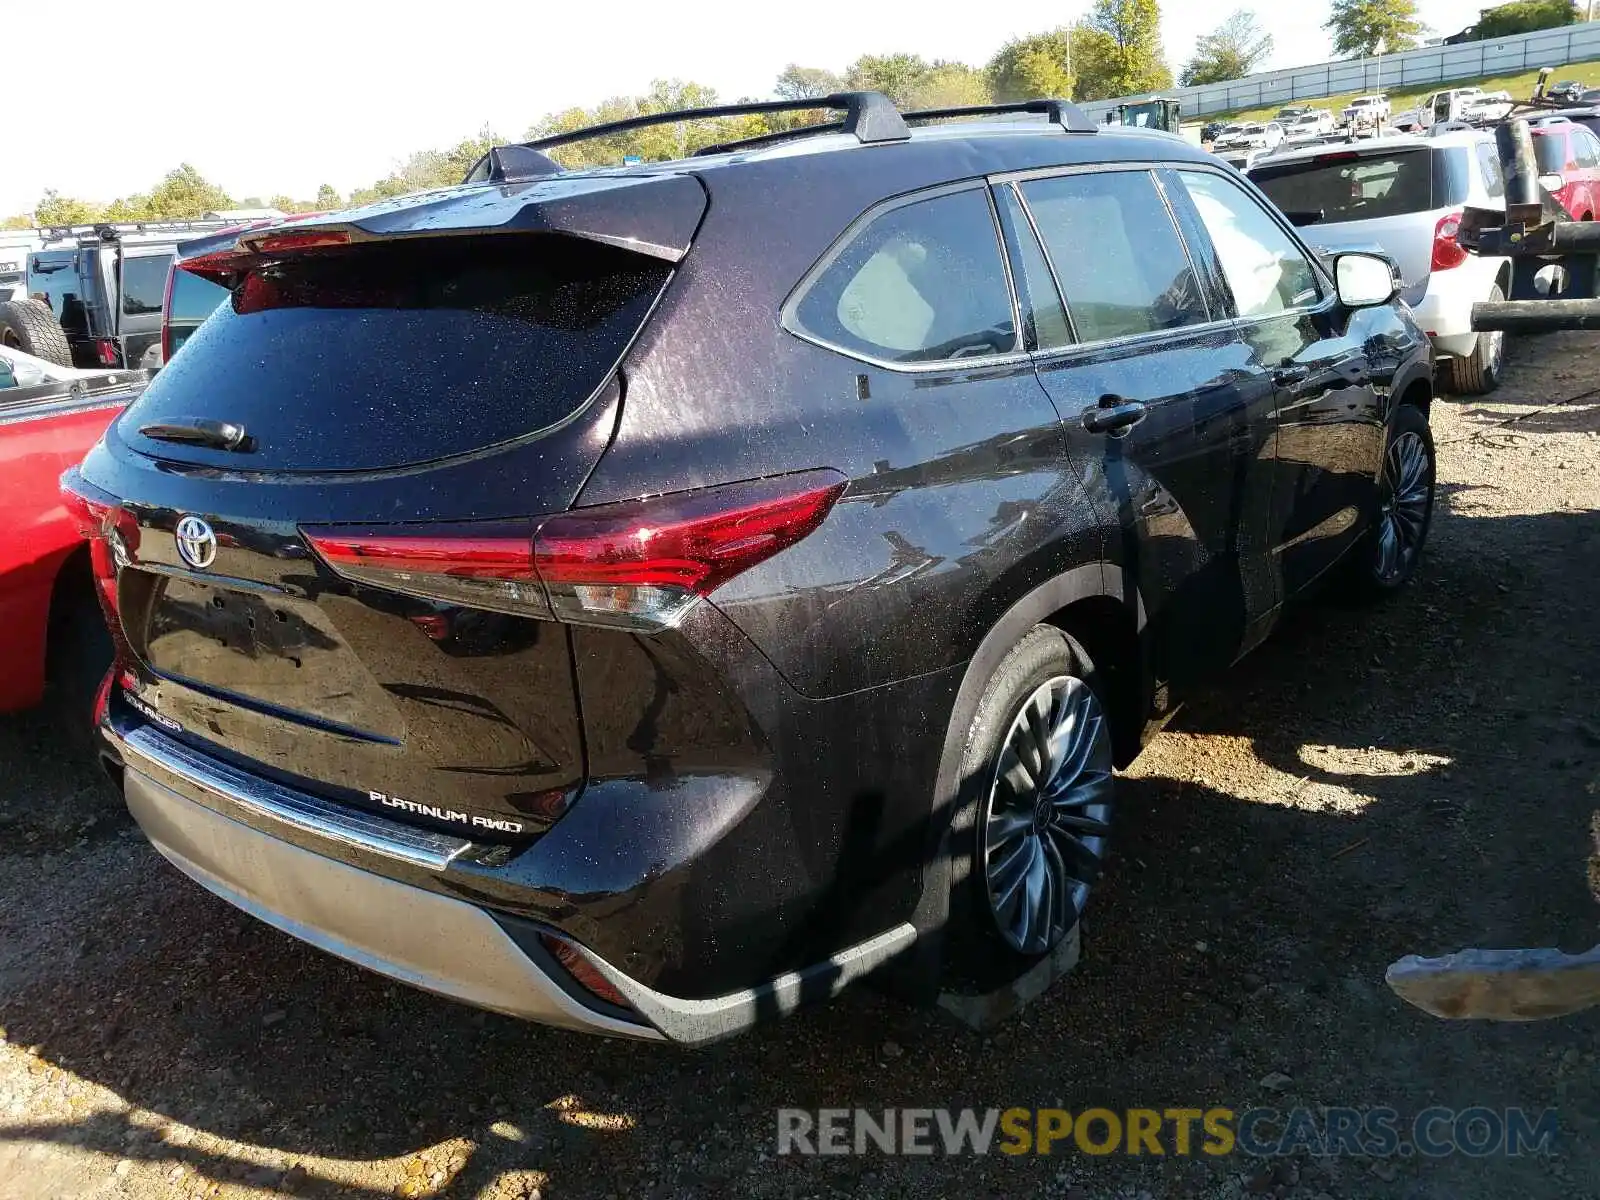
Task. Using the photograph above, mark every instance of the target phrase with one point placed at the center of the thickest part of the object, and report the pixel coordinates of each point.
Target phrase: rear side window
(390, 354)
(144, 284)
(1489, 166)
(1348, 186)
(1550, 148)
(1122, 267)
(921, 282)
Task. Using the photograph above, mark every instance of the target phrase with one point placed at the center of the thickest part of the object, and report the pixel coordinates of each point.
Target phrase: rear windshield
(194, 299)
(1350, 187)
(1551, 151)
(391, 354)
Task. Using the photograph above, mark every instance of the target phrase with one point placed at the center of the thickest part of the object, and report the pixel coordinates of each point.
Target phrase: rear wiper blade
(199, 431)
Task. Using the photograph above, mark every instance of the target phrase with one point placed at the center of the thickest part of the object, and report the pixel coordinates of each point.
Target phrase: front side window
(144, 284)
(1550, 149)
(1123, 269)
(923, 282)
(1266, 271)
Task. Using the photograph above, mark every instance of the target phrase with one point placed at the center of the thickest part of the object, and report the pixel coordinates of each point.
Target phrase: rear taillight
(584, 973)
(105, 352)
(639, 564)
(1447, 252)
(113, 537)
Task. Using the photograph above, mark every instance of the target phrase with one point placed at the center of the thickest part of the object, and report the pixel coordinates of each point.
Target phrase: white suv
(1405, 195)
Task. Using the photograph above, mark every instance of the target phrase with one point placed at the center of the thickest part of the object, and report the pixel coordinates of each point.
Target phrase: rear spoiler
(654, 215)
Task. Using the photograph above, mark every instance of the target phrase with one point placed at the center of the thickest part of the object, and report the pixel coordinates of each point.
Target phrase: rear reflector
(584, 973)
(113, 536)
(105, 351)
(639, 564)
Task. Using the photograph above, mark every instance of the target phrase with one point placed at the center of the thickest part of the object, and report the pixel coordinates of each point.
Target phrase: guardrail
(1413, 68)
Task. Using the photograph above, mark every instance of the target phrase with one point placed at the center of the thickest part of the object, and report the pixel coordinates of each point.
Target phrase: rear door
(141, 287)
(1187, 482)
(1329, 422)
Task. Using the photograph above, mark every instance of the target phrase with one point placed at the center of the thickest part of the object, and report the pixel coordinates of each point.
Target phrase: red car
(1569, 166)
(49, 617)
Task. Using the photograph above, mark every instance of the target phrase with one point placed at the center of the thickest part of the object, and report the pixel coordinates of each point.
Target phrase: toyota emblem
(197, 545)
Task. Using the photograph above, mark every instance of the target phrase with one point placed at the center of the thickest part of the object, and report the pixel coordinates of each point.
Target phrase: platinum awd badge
(476, 821)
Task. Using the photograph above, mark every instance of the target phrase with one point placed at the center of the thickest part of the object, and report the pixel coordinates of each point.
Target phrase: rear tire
(1479, 373)
(30, 326)
(1029, 838)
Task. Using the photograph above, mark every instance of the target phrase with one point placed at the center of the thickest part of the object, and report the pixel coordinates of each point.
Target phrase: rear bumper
(421, 938)
(388, 897)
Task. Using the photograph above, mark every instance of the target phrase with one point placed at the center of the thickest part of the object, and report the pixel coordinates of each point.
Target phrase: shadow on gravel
(1439, 759)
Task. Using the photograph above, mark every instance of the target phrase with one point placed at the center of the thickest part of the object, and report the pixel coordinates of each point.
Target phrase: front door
(1329, 416)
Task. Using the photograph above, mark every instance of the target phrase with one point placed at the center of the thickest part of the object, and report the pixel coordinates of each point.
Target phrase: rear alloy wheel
(1031, 830)
(1047, 817)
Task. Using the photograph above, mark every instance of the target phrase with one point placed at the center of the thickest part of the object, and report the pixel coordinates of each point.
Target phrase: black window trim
(788, 313)
(1150, 169)
(1330, 292)
(1032, 230)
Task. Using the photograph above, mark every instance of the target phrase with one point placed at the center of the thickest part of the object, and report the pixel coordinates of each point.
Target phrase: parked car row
(1407, 195)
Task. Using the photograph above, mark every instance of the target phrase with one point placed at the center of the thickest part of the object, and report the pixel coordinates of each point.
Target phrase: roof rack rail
(870, 116)
(1058, 112)
(110, 231)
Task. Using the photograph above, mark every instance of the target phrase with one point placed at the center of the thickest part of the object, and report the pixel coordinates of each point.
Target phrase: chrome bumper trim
(251, 796)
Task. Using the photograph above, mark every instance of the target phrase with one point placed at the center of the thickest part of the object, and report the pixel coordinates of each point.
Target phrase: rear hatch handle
(200, 431)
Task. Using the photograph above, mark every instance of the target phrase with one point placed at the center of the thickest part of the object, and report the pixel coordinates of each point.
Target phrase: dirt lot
(1368, 784)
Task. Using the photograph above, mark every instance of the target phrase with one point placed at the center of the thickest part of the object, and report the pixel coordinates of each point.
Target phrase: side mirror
(1364, 280)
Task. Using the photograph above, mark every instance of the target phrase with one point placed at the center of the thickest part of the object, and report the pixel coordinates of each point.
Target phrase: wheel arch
(1088, 603)
(1415, 387)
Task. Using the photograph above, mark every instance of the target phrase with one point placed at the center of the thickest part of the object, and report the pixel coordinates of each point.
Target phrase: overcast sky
(279, 97)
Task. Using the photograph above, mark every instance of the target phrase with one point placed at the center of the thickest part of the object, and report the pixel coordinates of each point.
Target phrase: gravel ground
(1368, 784)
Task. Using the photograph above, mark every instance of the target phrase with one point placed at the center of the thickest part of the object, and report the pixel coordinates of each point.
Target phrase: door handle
(1290, 374)
(1113, 414)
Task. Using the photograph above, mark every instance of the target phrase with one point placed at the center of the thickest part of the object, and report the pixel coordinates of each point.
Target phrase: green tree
(1235, 49)
(1524, 16)
(1097, 65)
(1039, 65)
(183, 193)
(1134, 28)
(20, 221)
(806, 83)
(328, 198)
(895, 75)
(1362, 28)
(55, 209)
(950, 85)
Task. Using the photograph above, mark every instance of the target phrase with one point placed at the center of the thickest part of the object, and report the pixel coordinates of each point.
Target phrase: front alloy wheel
(1048, 814)
(1406, 498)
